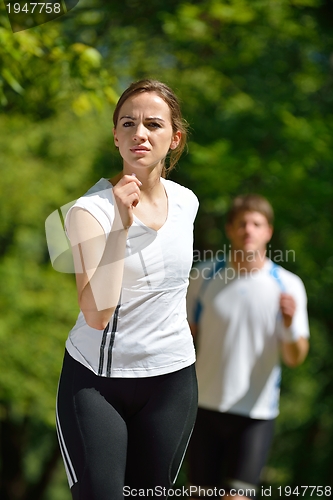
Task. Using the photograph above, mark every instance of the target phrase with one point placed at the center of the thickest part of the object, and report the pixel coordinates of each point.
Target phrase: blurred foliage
(255, 81)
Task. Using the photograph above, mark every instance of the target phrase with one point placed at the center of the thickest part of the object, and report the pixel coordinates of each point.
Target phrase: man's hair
(250, 203)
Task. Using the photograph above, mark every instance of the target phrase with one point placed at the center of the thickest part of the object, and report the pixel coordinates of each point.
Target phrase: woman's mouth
(139, 149)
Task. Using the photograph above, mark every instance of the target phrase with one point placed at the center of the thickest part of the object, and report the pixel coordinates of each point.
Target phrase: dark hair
(250, 203)
(177, 121)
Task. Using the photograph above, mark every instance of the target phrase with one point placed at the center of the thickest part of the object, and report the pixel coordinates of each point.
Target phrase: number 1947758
(31, 7)
(318, 491)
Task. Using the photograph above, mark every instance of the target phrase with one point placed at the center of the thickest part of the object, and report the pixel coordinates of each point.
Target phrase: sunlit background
(255, 80)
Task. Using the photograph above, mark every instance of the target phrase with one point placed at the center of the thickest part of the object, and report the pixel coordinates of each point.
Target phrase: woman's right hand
(127, 195)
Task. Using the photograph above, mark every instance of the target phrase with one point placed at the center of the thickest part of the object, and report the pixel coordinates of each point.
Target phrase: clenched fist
(127, 195)
(288, 308)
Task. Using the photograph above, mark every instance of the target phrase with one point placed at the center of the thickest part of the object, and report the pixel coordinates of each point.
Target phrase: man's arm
(294, 351)
(193, 296)
(194, 330)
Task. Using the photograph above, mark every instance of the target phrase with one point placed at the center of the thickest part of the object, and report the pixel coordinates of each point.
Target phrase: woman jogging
(127, 395)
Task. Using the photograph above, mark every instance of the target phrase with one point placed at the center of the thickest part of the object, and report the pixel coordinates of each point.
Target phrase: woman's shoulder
(180, 190)
(100, 194)
(100, 189)
(98, 201)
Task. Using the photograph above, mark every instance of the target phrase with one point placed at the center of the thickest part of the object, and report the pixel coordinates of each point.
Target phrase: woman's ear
(176, 139)
(115, 138)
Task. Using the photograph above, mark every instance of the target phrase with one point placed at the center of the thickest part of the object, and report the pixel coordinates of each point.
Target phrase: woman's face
(144, 132)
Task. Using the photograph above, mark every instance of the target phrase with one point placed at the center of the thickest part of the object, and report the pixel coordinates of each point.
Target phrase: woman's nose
(140, 133)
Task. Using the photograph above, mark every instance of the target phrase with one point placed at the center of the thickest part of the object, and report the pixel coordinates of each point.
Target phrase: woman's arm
(99, 261)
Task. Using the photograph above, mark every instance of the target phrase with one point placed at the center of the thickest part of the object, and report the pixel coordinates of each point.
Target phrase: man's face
(249, 232)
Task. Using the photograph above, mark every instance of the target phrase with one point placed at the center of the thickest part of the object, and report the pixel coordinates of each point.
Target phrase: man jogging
(245, 312)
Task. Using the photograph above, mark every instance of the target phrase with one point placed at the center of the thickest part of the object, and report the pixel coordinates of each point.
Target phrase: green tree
(53, 93)
(256, 80)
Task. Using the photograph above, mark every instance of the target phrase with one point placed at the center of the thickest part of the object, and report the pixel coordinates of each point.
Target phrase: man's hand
(294, 352)
(288, 308)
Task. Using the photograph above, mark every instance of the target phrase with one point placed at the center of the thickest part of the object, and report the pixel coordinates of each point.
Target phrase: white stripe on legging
(71, 476)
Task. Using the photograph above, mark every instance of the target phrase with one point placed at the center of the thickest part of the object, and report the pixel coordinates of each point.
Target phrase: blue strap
(275, 273)
(198, 306)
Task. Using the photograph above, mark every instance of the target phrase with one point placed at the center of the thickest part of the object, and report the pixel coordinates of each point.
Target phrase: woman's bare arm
(99, 261)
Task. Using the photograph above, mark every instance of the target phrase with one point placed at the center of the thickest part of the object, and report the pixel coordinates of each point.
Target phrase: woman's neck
(151, 186)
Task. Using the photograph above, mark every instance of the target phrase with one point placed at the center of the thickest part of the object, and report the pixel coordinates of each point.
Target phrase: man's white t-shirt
(238, 361)
(148, 333)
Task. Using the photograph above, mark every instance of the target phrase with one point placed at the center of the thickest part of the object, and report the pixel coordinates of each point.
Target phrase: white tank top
(148, 333)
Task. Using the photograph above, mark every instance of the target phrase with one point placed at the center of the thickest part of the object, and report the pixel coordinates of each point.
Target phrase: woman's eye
(127, 124)
(154, 125)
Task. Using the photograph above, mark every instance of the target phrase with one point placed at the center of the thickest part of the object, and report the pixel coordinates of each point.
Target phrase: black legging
(117, 432)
